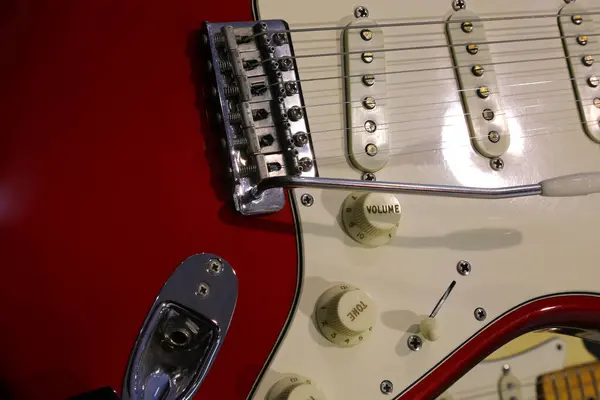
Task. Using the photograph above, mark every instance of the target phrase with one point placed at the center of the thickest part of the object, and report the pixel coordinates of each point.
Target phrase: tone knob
(295, 387)
(345, 315)
(371, 218)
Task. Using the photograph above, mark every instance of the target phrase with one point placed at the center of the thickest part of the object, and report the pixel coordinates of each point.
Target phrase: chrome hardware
(367, 57)
(307, 200)
(497, 164)
(386, 387)
(414, 342)
(563, 186)
(467, 27)
(459, 4)
(480, 314)
(263, 116)
(366, 34)
(368, 176)
(183, 331)
(463, 267)
(361, 12)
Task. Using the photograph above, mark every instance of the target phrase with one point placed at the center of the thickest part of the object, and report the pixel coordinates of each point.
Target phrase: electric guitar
(390, 192)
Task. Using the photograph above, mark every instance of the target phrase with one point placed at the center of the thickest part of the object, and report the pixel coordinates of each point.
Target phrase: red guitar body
(110, 176)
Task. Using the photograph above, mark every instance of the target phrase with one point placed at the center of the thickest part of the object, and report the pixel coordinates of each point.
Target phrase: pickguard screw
(569, 1)
(559, 347)
(467, 27)
(597, 102)
(497, 164)
(368, 176)
(366, 34)
(577, 19)
(386, 387)
(588, 61)
(494, 137)
(307, 200)
(371, 149)
(480, 314)
(414, 342)
(463, 267)
(459, 5)
(203, 290)
(594, 81)
(361, 12)
(215, 266)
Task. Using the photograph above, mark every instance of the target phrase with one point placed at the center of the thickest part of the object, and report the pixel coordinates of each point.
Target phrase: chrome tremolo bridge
(262, 112)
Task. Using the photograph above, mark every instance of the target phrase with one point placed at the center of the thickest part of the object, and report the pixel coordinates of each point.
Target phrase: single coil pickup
(580, 44)
(474, 68)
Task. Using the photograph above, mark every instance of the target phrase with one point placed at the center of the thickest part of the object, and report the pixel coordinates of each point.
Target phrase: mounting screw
(463, 267)
(203, 290)
(215, 266)
(307, 200)
(480, 314)
(569, 1)
(386, 387)
(497, 164)
(414, 342)
(459, 5)
(368, 176)
(361, 12)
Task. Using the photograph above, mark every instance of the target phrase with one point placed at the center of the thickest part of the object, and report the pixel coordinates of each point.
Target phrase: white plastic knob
(430, 329)
(345, 315)
(371, 218)
(295, 387)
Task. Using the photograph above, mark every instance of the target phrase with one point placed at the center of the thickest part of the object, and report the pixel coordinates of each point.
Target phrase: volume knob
(345, 315)
(294, 387)
(371, 218)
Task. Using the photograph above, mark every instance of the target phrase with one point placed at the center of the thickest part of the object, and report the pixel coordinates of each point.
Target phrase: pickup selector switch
(345, 315)
(294, 387)
(371, 218)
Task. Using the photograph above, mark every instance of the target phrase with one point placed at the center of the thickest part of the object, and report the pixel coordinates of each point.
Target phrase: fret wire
(555, 387)
(567, 385)
(578, 375)
(594, 383)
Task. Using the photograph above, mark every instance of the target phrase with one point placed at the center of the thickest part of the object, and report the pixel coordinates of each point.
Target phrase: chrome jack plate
(183, 331)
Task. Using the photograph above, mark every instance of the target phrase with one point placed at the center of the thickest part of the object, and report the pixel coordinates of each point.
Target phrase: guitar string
(359, 103)
(501, 111)
(431, 47)
(344, 157)
(422, 23)
(426, 70)
(324, 139)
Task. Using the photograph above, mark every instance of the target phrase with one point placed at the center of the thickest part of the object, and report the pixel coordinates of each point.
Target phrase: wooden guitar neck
(577, 382)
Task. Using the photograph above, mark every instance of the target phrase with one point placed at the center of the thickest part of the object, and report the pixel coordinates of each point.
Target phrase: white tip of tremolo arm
(572, 185)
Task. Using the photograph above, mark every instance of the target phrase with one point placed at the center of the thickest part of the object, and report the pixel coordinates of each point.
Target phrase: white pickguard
(520, 249)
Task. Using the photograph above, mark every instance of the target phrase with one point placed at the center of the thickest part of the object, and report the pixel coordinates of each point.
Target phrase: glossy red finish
(576, 311)
(109, 178)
